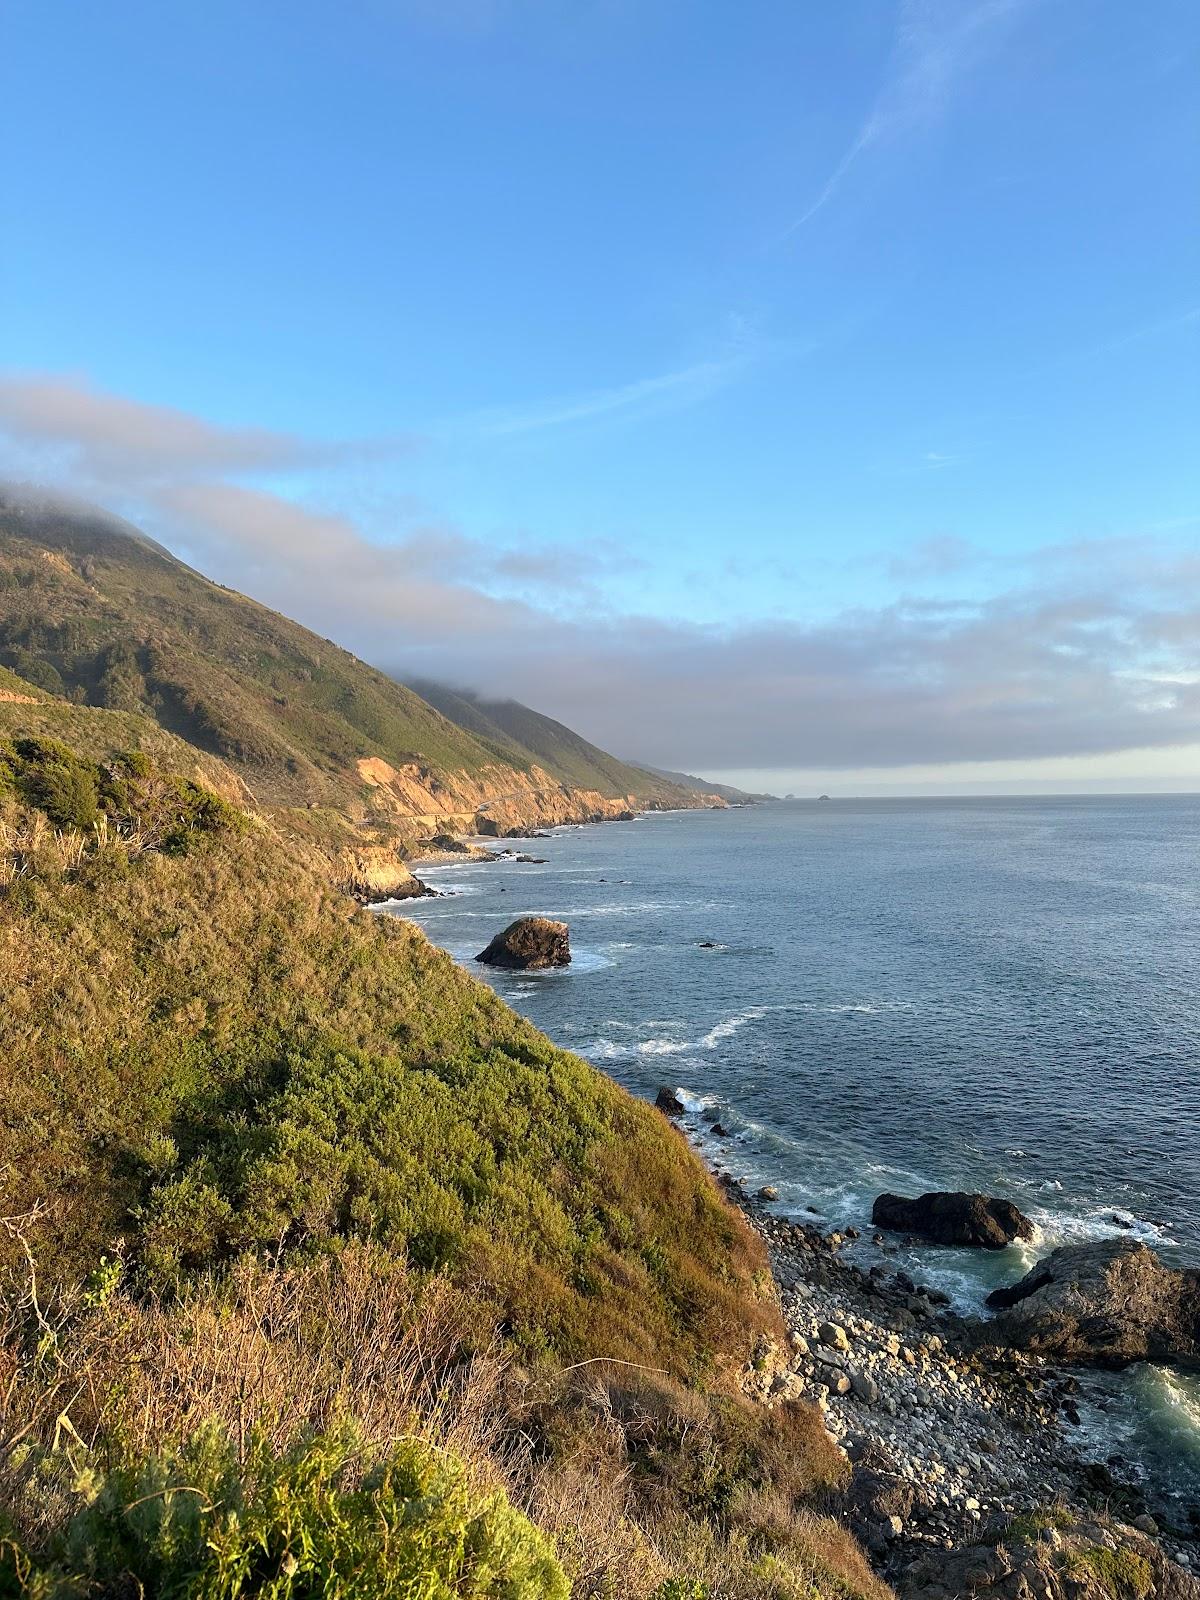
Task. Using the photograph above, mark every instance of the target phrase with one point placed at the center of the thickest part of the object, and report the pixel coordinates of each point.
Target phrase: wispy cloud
(685, 386)
(938, 44)
(935, 557)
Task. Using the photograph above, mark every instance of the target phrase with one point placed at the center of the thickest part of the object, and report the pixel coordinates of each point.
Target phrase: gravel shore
(951, 1437)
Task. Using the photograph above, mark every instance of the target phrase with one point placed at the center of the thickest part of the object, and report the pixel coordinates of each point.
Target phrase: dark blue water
(988, 994)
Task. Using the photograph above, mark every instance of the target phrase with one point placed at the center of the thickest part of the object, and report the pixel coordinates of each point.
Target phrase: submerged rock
(1109, 1302)
(952, 1217)
(528, 943)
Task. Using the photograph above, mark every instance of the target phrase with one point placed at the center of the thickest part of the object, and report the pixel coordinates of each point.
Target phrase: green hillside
(323, 1272)
(523, 734)
(93, 610)
(94, 613)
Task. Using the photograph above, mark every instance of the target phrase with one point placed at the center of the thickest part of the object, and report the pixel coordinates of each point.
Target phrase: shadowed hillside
(509, 726)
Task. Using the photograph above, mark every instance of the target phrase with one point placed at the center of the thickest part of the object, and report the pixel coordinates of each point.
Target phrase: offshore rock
(529, 943)
(1109, 1302)
(953, 1218)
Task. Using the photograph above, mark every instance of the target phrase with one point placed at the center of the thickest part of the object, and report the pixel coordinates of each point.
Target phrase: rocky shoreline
(957, 1442)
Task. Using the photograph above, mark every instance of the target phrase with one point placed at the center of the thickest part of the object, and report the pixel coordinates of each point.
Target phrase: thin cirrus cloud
(686, 386)
(1077, 650)
(937, 46)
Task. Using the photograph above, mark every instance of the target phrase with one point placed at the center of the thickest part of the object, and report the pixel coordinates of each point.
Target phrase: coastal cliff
(499, 802)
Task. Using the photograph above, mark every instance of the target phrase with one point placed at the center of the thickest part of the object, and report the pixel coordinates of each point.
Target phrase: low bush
(328, 1517)
(128, 796)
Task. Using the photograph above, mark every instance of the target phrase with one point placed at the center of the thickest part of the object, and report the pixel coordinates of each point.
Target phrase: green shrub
(58, 782)
(1023, 1529)
(325, 1518)
(38, 671)
(74, 793)
(133, 763)
(1124, 1574)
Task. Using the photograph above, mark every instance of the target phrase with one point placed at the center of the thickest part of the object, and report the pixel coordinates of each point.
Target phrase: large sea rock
(1107, 1303)
(528, 943)
(952, 1217)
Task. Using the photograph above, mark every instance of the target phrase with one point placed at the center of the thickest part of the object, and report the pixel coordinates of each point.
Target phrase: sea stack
(951, 1217)
(528, 944)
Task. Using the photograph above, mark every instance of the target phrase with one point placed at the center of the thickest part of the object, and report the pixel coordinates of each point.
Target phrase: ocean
(991, 994)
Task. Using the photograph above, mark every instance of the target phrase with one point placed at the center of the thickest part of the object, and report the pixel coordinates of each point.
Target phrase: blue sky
(592, 351)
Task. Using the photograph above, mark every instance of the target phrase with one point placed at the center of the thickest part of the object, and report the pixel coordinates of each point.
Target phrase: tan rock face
(377, 874)
(497, 801)
(1110, 1301)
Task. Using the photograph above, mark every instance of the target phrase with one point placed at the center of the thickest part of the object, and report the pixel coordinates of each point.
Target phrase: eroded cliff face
(376, 872)
(499, 802)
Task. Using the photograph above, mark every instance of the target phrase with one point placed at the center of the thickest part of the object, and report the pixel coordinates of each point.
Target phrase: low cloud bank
(1087, 650)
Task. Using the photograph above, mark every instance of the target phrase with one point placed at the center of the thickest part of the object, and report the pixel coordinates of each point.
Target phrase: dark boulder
(669, 1102)
(953, 1218)
(1106, 1303)
(528, 943)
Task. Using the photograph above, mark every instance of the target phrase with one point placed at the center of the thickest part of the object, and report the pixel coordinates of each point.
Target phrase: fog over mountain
(1064, 661)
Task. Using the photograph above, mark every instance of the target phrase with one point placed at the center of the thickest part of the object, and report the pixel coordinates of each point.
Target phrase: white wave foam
(1175, 1395)
(1069, 1227)
(606, 1050)
(726, 1029)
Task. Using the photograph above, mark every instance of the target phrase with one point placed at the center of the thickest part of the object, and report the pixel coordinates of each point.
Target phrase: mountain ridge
(96, 613)
(727, 791)
(558, 749)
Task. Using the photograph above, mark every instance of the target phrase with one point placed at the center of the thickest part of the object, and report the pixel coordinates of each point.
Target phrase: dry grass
(635, 1478)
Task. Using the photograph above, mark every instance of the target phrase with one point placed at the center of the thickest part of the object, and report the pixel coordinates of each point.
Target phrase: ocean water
(993, 994)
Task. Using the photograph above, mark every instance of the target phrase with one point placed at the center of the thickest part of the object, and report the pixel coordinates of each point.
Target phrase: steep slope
(284, 1191)
(319, 1072)
(527, 735)
(93, 611)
